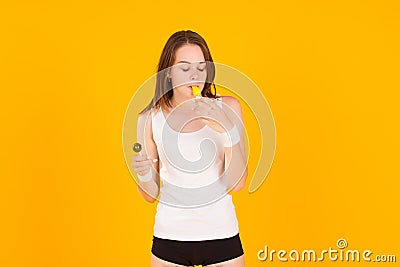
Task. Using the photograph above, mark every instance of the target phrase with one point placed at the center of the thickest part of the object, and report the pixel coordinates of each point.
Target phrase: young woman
(192, 226)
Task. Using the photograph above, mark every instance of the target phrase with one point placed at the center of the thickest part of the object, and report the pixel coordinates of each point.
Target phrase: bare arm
(142, 165)
(235, 157)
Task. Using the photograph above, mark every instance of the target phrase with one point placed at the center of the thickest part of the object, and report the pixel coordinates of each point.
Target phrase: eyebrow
(183, 61)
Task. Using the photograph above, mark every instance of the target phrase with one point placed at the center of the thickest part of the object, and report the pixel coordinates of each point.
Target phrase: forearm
(149, 190)
(236, 166)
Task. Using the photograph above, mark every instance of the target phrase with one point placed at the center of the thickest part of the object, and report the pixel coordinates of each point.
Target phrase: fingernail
(155, 160)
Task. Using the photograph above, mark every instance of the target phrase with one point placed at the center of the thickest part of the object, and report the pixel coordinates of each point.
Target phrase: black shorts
(197, 252)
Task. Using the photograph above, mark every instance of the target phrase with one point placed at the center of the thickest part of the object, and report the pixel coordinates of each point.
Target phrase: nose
(194, 75)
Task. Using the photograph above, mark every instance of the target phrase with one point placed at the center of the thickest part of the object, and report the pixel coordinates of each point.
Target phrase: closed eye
(202, 66)
(186, 67)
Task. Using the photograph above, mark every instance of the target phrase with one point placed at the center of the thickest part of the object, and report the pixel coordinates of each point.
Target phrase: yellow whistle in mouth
(196, 90)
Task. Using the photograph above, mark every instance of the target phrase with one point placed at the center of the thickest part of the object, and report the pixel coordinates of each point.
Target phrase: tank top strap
(157, 123)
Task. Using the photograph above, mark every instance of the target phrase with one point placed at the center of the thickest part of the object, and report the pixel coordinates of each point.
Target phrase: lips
(190, 87)
(194, 84)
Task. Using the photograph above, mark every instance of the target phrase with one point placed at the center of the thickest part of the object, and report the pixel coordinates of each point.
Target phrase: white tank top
(194, 205)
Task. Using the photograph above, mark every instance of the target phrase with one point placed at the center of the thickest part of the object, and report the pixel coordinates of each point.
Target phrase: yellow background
(329, 70)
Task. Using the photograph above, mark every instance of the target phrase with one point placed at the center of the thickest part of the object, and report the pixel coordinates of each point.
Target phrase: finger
(136, 164)
(141, 163)
(150, 158)
(205, 101)
(214, 105)
(197, 102)
(208, 100)
(139, 157)
(202, 107)
(141, 169)
(205, 111)
(142, 173)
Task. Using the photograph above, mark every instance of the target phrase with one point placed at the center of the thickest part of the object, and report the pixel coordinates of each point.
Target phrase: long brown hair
(163, 91)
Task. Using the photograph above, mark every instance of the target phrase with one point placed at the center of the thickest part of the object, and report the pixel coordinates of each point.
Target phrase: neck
(178, 102)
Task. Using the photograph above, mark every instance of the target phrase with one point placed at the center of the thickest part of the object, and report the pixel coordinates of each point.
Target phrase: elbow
(237, 188)
(150, 199)
(242, 182)
(146, 196)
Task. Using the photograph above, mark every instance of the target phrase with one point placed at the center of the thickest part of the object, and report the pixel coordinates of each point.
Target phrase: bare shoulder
(230, 100)
(145, 117)
(233, 103)
(145, 113)
(144, 126)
